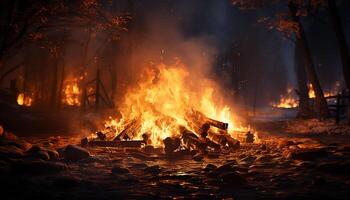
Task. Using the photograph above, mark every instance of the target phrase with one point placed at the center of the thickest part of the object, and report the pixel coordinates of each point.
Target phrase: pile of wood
(206, 136)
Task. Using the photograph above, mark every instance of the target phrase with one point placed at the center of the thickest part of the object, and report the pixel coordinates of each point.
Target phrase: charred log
(121, 144)
(171, 144)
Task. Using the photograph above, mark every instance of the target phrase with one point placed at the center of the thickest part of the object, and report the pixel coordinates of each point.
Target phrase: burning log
(129, 131)
(101, 136)
(171, 144)
(249, 137)
(121, 144)
(199, 118)
(224, 139)
(190, 139)
(217, 124)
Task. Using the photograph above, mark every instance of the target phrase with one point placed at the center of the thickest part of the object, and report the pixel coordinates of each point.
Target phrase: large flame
(161, 102)
(24, 100)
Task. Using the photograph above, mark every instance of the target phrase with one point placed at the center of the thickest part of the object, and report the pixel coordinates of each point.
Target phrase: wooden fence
(337, 105)
(100, 93)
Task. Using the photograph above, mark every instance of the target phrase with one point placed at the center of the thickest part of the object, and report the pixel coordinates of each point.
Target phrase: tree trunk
(53, 92)
(304, 105)
(320, 102)
(343, 47)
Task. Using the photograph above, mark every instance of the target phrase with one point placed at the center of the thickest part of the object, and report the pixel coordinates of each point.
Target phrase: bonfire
(167, 110)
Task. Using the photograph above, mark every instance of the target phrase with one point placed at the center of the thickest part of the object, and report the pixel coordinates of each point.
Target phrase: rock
(198, 157)
(37, 167)
(75, 153)
(10, 151)
(38, 152)
(54, 155)
(41, 155)
(119, 170)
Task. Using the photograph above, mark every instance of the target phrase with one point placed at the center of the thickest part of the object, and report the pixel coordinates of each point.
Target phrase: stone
(54, 155)
(119, 170)
(75, 153)
(38, 152)
(41, 155)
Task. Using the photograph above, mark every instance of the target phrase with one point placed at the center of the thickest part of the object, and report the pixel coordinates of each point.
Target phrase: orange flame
(72, 92)
(334, 90)
(161, 102)
(288, 101)
(24, 100)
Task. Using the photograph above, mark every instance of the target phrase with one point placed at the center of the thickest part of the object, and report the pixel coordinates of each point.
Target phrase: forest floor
(283, 165)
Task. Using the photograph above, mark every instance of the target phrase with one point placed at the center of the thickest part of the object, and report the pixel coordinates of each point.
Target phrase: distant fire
(72, 92)
(287, 101)
(165, 100)
(327, 93)
(24, 100)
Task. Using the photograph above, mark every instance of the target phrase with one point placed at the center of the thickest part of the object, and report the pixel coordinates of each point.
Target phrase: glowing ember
(163, 101)
(72, 92)
(24, 100)
(287, 101)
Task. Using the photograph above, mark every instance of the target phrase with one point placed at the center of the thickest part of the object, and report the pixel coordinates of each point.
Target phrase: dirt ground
(281, 166)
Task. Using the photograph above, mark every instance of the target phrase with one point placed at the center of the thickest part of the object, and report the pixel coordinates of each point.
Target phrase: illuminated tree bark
(320, 102)
(304, 106)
